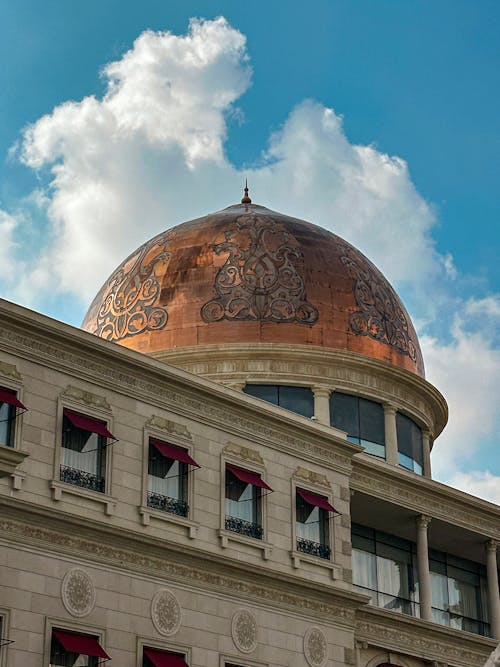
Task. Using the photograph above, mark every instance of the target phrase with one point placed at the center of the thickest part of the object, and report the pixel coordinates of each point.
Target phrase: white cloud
(8, 225)
(478, 483)
(150, 154)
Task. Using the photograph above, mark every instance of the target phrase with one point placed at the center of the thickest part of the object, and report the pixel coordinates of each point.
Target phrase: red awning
(88, 424)
(316, 500)
(173, 452)
(81, 644)
(164, 659)
(11, 399)
(249, 477)
(387, 664)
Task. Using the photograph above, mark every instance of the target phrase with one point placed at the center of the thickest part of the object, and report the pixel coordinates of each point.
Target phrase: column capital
(321, 390)
(423, 520)
(389, 408)
(491, 546)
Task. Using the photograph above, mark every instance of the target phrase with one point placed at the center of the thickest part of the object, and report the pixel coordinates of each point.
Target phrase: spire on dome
(246, 199)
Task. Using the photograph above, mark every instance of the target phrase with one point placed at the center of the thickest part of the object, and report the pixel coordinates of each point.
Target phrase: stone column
(426, 446)
(322, 404)
(493, 595)
(391, 436)
(424, 576)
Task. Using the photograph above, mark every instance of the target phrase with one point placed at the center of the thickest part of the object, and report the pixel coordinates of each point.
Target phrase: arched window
(363, 420)
(296, 399)
(410, 447)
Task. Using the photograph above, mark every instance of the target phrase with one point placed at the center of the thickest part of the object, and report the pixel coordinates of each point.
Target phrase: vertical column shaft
(426, 445)
(391, 436)
(322, 404)
(493, 595)
(424, 576)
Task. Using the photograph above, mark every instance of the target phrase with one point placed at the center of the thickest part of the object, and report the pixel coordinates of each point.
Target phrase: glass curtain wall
(384, 567)
(295, 399)
(459, 593)
(363, 420)
(410, 446)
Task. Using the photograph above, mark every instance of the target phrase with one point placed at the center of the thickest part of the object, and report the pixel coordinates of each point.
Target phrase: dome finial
(246, 199)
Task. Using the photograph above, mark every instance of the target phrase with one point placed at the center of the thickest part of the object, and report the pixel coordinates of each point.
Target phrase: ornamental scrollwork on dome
(260, 279)
(128, 304)
(380, 315)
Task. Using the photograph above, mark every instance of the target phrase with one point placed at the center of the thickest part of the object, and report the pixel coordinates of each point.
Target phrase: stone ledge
(58, 488)
(148, 513)
(10, 458)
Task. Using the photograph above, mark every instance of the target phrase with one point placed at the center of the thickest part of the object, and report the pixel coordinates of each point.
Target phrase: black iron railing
(82, 478)
(173, 505)
(243, 527)
(313, 548)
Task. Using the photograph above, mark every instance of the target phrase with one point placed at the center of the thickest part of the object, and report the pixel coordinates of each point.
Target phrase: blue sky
(407, 160)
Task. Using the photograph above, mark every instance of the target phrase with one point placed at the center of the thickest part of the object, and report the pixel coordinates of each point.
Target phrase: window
(83, 452)
(410, 447)
(459, 593)
(244, 501)
(153, 657)
(363, 420)
(8, 404)
(168, 467)
(71, 649)
(384, 567)
(312, 525)
(296, 399)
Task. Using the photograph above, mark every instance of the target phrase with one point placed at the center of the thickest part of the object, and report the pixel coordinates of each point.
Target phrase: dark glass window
(363, 420)
(295, 399)
(384, 567)
(459, 593)
(312, 528)
(62, 658)
(83, 457)
(410, 447)
(7, 417)
(167, 483)
(243, 507)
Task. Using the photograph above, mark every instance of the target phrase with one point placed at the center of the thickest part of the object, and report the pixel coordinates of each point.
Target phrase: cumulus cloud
(8, 225)
(478, 483)
(150, 154)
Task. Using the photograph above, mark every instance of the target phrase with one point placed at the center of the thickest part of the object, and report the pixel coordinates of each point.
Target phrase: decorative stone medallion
(78, 592)
(315, 647)
(244, 631)
(166, 612)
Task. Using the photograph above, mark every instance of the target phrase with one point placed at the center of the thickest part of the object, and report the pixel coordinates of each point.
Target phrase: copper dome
(250, 275)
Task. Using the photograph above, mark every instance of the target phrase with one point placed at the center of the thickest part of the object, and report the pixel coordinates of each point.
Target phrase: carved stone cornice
(335, 606)
(421, 639)
(311, 477)
(143, 378)
(169, 426)
(86, 398)
(244, 453)
(426, 496)
(10, 371)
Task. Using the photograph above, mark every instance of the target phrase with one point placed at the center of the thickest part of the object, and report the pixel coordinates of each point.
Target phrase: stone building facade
(148, 555)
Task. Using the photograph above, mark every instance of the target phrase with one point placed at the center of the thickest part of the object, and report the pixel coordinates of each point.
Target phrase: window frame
(278, 387)
(421, 430)
(145, 511)
(4, 632)
(227, 536)
(69, 626)
(17, 420)
(299, 557)
(60, 487)
(159, 645)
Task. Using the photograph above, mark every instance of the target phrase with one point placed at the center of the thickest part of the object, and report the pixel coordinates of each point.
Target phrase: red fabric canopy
(387, 664)
(316, 500)
(88, 424)
(81, 644)
(164, 659)
(173, 452)
(11, 399)
(249, 477)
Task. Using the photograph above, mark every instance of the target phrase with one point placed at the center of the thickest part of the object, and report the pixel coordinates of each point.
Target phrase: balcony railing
(243, 527)
(82, 478)
(173, 505)
(313, 548)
